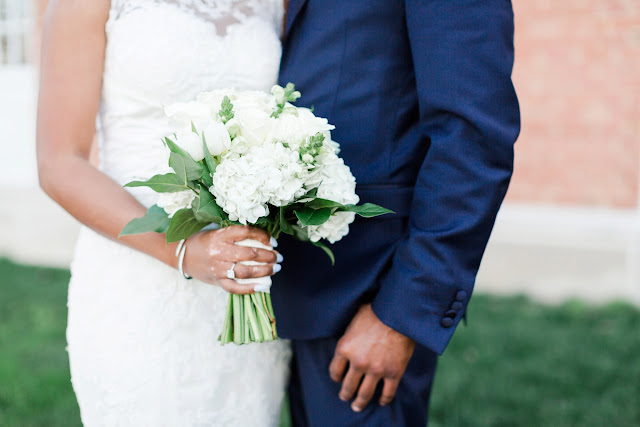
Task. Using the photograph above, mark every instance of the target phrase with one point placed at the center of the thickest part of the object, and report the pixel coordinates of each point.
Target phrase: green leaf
(326, 250)
(209, 160)
(206, 209)
(311, 195)
(285, 226)
(368, 210)
(183, 224)
(186, 168)
(156, 219)
(324, 203)
(226, 110)
(168, 183)
(309, 216)
(206, 177)
(300, 233)
(175, 148)
(193, 127)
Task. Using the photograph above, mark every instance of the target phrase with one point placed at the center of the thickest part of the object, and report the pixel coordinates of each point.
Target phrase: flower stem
(238, 325)
(253, 321)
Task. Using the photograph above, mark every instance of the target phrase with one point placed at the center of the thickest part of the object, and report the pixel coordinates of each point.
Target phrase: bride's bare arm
(73, 52)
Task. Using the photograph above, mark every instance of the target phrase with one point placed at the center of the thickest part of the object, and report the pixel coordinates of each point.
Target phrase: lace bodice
(222, 13)
(165, 51)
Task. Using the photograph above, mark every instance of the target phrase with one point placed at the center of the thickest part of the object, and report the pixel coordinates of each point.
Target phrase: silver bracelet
(180, 251)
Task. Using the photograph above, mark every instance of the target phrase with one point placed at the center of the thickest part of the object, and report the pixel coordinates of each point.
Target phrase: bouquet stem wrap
(250, 318)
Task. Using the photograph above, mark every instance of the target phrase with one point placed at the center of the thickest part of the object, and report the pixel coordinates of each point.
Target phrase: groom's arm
(463, 57)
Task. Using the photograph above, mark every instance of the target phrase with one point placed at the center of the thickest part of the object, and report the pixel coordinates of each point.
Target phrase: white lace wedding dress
(142, 340)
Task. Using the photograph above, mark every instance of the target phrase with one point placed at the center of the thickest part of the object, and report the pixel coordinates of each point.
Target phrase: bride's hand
(210, 254)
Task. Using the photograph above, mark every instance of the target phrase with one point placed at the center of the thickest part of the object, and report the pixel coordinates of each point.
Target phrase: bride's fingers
(233, 287)
(243, 253)
(250, 271)
(237, 233)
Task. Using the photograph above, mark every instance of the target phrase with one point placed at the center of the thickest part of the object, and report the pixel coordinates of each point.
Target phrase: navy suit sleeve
(463, 57)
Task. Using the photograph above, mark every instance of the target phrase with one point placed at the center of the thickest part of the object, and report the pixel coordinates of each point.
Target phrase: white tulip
(217, 137)
(192, 144)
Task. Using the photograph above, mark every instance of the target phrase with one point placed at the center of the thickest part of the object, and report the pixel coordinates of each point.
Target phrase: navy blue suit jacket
(426, 114)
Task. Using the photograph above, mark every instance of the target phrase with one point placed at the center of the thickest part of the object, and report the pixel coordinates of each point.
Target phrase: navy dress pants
(314, 396)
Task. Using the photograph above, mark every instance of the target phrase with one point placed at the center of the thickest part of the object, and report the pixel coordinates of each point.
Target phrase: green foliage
(183, 224)
(175, 148)
(226, 110)
(313, 146)
(156, 219)
(210, 163)
(285, 225)
(327, 251)
(368, 210)
(206, 209)
(309, 216)
(185, 167)
(168, 183)
(291, 95)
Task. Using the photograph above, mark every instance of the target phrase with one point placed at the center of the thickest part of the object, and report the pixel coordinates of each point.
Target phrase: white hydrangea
(334, 229)
(336, 183)
(173, 202)
(266, 174)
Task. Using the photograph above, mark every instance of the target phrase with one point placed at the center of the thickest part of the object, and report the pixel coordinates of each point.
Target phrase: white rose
(256, 122)
(173, 202)
(217, 137)
(295, 125)
(192, 144)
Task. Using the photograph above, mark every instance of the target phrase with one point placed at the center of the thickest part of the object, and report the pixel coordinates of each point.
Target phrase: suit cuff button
(446, 322)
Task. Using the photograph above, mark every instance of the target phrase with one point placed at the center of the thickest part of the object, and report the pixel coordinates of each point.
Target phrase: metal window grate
(16, 29)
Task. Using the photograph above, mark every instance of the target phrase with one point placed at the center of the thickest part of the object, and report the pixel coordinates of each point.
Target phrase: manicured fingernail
(355, 408)
(274, 242)
(276, 268)
(279, 258)
(342, 398)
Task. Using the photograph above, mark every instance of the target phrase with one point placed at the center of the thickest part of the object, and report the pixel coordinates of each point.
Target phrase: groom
(420, 92)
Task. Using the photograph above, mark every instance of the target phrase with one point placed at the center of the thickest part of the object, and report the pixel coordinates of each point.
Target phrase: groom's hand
(373, 352)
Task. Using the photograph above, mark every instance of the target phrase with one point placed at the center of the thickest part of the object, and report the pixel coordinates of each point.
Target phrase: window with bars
(16, 29)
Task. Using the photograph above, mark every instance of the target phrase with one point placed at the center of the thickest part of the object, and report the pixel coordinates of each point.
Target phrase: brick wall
(577, 74)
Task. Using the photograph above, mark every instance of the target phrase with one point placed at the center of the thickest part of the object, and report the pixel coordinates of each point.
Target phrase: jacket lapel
(295, 6)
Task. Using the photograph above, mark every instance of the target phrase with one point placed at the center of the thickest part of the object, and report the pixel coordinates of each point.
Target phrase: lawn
(517, 363)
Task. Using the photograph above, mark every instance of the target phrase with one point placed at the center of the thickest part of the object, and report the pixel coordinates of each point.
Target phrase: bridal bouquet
(248, 157)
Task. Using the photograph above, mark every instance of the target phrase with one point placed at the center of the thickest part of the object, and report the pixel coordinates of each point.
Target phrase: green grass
(517, 363)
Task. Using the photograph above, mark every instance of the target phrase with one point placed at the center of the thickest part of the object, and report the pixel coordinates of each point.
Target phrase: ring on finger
(231, 274)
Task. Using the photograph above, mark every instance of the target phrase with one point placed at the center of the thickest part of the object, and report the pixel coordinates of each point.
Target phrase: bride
(142, 339)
